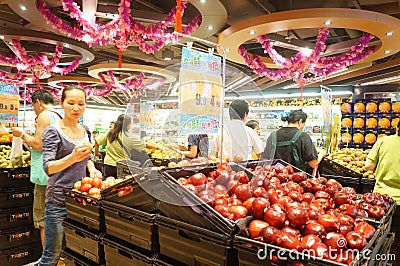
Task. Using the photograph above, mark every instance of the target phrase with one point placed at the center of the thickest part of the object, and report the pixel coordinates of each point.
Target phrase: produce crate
(346, 181)
(16, 217)
(181, 204)
(254, 253)
(130, 225)
(15, 237)
(16, 197)
(193, 245)
(160, 260)
(145, 190)
(72, 258)
(385, 256)
(84, 241)
(21, 255)
(118, 254)
(84, 209)
(128, 167)
(330, 167)
(367, 184)
(15, 177)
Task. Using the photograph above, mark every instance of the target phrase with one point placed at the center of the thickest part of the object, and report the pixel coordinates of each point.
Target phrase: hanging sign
(9, 103)
(326, 101)
(200, 92)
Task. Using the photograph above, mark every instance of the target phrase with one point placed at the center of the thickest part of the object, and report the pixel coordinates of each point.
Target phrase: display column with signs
(326, 101)
(200, 93)
(9, 102)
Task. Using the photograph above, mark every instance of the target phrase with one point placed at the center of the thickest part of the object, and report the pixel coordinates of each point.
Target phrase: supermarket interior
(199, 132)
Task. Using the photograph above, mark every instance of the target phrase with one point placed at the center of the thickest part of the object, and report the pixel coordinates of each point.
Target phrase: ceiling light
(387, 51)
(22, 7)
(328, 22)
(390, 33)
(252, 32)
(227, 49)
(202, 1)
(306, 51)
(210, 27)
(381, 81)
(2, 37)
(66, 45)
(167, 54)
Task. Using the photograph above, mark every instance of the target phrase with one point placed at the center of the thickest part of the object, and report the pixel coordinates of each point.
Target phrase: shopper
(43, 106)
(119, 145)
(235, 139)
(197, 146)
(384, 158)
(95, 134)
(254, 125)
(65, 159)
(292, 145)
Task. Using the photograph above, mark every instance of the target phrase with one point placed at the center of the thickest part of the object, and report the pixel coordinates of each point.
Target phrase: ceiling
(35, 35)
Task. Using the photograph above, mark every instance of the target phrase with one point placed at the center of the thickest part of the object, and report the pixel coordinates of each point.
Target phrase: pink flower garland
(296, 66)
(38, 65)
(120, 32)
(133, 85)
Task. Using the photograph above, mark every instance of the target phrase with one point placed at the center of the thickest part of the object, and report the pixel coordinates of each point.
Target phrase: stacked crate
(19, 240)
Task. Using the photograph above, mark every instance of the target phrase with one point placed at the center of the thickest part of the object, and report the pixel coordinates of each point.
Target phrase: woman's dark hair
(295, 116)
(238, 108)
(121, 125)
(44, 96)
(70, 88)
(252, 124)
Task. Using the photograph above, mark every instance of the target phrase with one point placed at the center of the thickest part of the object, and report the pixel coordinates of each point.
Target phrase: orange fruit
(384, 107)
(359, 108)
(372, 122)
(346, 108)
(384, 122)
(395, 121)
(372, 107)
(396, 107)
(358, 138)
(347, 122)
(381, 136)
(370, 138)
(358, 122)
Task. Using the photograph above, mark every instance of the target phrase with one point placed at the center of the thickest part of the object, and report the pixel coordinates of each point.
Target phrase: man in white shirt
(235, 139)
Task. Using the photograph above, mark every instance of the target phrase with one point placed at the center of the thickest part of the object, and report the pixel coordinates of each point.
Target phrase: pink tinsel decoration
(120, 32)
(296, 66)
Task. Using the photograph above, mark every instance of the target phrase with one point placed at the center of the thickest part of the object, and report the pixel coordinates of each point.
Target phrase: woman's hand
(80, 153)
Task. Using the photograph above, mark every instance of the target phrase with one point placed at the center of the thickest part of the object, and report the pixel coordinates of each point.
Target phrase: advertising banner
(9, 103)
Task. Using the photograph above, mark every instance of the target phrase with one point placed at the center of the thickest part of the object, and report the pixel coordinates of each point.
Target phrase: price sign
(9, 102)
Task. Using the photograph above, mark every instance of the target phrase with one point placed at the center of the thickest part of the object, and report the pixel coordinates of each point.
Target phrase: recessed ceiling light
(387, 51)
(66, 45)
(252, 32)
(328, 22)
(202, 1)
(227, 50)
(389, 33)
(2, 37)
(210, 27)
(23, 8)
(87, 58)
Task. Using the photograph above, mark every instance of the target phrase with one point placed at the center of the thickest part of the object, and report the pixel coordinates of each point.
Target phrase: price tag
(9, 104)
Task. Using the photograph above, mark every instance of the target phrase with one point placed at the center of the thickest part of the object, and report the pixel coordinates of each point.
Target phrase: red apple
(345, 228)
(345, 219)
(292, 231)
(275, 215)
(260, 192)
(345, 257)
(288, 241)
(341, 198)
(198, 179)
(365, 229)
(234, 201)
(362, 213)
(320, 250)
(329, 222)
(225, 211)
(255, 227)
(335, 242)
(270, 234)
(333, 183)
(239, 212)
(306, 185)
(349, 209)
(349, 190)
(242, 177)
(322, 194)
(318, 187)
(313, 227)
(309, 240)
(355, 240)
(244, 192)
(259, 206)
(308, 197)
(332, 190)
(296, 196)
(272, 195)
(299, 177)
(376, 212)
(248, 204)
(284, 200)
(297, 216)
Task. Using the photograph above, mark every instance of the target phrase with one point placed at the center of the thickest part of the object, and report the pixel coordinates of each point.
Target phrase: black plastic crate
(330, 167)
(346, 181)
(128, 167)
(131, 225)
(160, 260)
(145, 189)
(16, 217)
(72, 258)
(15, 237)
(84, 209)
(85, 242)
(21, 255)
(117, 254)
(254, 253)
(15, 177)
(193, 245)
(16, 197)
(181, 204)
(367, 184)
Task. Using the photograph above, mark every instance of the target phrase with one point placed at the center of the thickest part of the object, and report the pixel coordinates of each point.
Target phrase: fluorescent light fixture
(252, 32)
(389, 33)
(287, 95)
(237, 83)
(306, 51)
(167, 54)
(227, 49)
(202, 1)
(210, 27)
(382, 81)
(22, 7)
(66, 45)
(327, 22)
(387, 51)
(2, 37)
